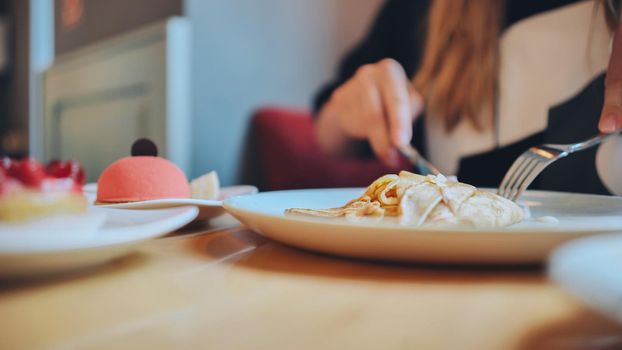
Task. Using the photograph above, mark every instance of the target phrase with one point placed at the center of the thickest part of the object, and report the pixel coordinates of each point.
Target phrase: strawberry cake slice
(28, 190)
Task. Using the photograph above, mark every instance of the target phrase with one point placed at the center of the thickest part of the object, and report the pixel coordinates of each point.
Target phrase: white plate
(589, 268)
(526, 242)
(207, 208)
(26, 252)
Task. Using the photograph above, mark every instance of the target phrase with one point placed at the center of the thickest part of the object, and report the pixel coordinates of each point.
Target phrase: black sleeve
(397, 32)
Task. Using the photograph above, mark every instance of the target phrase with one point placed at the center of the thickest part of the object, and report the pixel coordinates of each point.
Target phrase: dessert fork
(533, 161)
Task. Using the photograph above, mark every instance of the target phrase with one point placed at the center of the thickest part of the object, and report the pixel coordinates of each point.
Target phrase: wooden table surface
(233, 289)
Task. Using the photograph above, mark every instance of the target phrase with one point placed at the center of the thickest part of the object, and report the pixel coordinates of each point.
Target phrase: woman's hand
(611, 115)
(378, 104)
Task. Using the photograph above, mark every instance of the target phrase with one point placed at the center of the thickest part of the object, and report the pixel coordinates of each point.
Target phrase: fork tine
(525, 171)
(532, 162)
(520, 169)
(511, 174)
(542, 163)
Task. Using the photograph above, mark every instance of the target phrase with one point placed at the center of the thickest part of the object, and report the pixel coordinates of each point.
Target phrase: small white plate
(208, 209)
(527, 242)
(25, 251)
(589, 268)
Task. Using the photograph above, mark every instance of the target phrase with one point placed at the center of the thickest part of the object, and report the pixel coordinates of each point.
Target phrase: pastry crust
(29, 204)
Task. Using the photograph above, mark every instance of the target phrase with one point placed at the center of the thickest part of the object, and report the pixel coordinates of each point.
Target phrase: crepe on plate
(426, 201)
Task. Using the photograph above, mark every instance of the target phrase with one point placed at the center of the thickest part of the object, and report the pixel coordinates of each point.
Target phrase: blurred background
(83, 78)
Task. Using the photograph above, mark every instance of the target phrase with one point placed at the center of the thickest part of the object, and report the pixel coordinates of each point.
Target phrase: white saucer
(527, 242)
(589, 268)
(60, 244)
(208, 209)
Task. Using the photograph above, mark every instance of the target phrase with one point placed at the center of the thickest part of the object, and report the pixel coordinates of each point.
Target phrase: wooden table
(233, 289)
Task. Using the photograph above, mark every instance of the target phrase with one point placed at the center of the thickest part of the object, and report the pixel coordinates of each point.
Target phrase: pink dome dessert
(132, 179)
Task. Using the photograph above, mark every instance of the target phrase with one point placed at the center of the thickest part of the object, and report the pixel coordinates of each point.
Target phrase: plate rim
(91, 189)
(176, 202)
(186, 215)
(232, 208)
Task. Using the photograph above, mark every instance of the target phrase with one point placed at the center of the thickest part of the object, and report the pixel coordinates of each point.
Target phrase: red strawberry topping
(56, 176)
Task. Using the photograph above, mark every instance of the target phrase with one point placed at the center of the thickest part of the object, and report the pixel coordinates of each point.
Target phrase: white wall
(249, 53)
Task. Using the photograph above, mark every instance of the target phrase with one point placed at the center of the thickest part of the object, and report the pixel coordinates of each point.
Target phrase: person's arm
(611, 116)
(372, 99)
(393, 34)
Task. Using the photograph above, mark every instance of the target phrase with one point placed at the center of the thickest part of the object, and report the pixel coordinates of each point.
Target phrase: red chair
(289, 156)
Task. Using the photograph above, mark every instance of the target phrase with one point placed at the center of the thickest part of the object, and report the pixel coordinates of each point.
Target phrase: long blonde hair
(459, 69)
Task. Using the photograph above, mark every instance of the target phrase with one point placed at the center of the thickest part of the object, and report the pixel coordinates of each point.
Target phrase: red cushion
(290, 157)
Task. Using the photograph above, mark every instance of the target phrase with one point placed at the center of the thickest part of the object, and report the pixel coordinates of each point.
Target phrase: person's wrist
(331, 136)
(327, 132)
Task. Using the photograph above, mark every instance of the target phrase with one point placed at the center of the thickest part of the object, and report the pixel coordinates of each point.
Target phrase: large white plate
(526, 242)
(27, 252)
(208, 209)
(589, 268)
